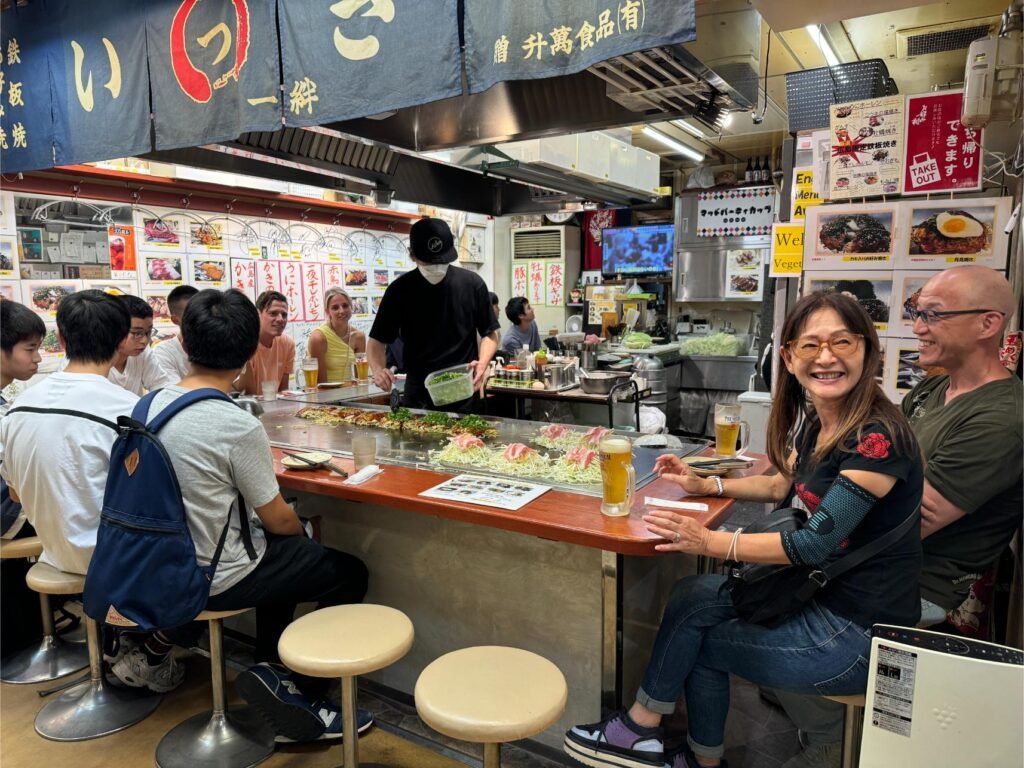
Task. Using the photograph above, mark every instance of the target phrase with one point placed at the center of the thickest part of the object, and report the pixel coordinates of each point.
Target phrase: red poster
(942, 155)
(121, 239)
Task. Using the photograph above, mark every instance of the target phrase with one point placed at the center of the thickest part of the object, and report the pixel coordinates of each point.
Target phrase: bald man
(968, 424)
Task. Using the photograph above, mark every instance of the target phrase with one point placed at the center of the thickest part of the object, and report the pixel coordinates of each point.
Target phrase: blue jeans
(701, 642)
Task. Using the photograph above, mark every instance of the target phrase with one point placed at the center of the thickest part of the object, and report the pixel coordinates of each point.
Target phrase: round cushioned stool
(92, 708)
(853, 727)
(238, 738)
(53, 657)
(346, 641)
(490, 694)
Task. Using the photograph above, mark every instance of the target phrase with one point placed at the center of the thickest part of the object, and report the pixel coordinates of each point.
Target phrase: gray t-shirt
(514, 339)
(218, 451)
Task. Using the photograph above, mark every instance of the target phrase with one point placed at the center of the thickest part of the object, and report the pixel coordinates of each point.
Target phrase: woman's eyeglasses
(839, 344)
(929, 316)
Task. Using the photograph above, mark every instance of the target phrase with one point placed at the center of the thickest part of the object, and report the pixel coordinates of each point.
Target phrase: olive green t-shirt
(972, 448)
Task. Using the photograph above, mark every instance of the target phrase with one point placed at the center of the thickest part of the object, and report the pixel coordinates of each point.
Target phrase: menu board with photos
(867, 148)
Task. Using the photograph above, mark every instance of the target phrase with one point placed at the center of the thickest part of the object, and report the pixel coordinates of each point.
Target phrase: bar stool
(345, 641)
(490, 694)
(853, 728)
(92, 708)
(53, 657)
(236, 738)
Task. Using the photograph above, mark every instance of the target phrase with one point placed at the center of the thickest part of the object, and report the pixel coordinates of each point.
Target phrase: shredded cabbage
(532, 465)
(721, 345)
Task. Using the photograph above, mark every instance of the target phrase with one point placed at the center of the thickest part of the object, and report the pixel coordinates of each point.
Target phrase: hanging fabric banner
(26, 119)
(213, 70)
(361, 57)
(528, 39)
(100, 84)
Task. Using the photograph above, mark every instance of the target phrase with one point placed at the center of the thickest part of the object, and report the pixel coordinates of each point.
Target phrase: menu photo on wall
(872, 290)
(948, 232)
(851, 236)
(867, 148)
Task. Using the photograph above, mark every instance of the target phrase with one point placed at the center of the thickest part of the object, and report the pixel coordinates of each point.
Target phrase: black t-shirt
(439, 323)
(884, 589)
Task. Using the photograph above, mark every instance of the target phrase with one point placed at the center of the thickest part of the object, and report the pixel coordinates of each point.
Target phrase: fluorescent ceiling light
(676, 146)
(727, 120)
(815, 31)
(688, 128)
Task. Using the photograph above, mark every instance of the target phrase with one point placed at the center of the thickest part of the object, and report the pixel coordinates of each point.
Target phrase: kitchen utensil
(396, 399)
(601, 382)
(311, 460)
(632, 315)
(556, 375)
(249, 404)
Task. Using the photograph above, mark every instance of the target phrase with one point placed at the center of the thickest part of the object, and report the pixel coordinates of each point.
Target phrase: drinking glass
(362, 367)
(618, 478)
(269, 390)
(364, 448)
(310, 372)
(728, 427)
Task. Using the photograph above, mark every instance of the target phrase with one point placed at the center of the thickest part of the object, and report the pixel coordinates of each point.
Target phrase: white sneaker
(123, 645)
(134, 670)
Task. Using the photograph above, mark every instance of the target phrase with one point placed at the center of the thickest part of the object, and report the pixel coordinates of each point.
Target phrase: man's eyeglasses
(142, 334)
(839, 344)
(929, 316)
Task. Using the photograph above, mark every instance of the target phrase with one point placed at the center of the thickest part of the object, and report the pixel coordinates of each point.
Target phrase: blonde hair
(333, 291)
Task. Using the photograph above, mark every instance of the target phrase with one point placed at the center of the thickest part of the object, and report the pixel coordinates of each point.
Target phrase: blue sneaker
(616, 742)
(272, 691)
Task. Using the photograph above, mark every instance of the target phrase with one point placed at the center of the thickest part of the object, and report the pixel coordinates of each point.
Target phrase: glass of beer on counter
(310, 372)
(728, 427)
(618, 478)
(362, 367)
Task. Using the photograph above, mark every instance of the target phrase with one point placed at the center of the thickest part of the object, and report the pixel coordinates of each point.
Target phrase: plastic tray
(452, 391)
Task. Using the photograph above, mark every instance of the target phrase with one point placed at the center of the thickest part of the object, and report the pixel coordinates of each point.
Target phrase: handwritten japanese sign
(213, 70)
(360, 57)
(556, 284)
(526, 39)
(334, 276)
(942, 154)
(744, 211)
(313, 291)
(291, 287)
(268, 276)
(243, 276)
(536, 295)
(519, 276)
(26, 122)
(867, 148)
(100, 81)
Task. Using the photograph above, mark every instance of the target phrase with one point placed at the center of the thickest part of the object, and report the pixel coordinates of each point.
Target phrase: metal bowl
(601, 382)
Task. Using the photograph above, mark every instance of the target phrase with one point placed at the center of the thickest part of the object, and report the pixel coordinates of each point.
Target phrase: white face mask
(433, 273)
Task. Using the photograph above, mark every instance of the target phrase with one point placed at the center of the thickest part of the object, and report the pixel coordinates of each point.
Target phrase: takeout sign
(787, 250)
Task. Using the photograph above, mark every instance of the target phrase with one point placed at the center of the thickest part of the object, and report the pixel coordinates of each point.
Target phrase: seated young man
(274, 356)
(524, 328)
(220, 451)
(57, 464)
(170, 354)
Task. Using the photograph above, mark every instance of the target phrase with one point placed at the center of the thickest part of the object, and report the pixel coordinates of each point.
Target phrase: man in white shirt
(55, 463)
(170, 354)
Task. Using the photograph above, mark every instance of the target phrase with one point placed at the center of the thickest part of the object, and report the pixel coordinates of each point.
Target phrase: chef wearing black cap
(440, 311)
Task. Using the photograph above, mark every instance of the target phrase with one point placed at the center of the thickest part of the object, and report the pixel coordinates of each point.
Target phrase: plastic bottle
(523, 359)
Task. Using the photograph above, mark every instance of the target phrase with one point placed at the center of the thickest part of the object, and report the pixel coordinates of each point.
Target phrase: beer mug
(618, 478)
(727, 430)
(362, 367)
(310, 372)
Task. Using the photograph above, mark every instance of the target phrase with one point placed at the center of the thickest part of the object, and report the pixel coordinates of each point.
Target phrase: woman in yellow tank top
(334, 344)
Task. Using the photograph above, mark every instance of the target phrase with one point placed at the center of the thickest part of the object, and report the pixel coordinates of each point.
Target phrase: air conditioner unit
(557, 242)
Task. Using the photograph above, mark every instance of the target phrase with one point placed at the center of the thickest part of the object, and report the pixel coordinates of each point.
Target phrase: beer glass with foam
(310, 372)
(728, 427)
(618, 478)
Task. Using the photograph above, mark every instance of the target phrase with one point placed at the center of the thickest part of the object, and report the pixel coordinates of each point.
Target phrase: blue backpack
(143, 574)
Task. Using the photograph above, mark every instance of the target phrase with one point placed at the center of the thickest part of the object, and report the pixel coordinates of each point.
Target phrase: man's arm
(246, 381)
(488, 346)
(376, 356)
(278, 517)
(937, 511)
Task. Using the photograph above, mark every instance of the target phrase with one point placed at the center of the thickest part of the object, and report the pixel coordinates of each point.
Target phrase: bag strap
(175, 407)
(243, 525)
(64, 412)
(852, 560)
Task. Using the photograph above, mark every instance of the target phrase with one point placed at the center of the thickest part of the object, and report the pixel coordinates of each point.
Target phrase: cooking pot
(601, 382)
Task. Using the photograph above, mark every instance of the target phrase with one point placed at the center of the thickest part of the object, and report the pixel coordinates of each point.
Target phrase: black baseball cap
(431, 241)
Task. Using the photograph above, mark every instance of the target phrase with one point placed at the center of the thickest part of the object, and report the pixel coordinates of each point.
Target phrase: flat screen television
(641, 250)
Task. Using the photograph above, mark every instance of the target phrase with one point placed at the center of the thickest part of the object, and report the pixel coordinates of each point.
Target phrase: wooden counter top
(557, 515)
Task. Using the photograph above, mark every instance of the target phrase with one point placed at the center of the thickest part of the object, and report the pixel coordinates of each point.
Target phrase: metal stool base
(51, 659)
(238, 738)
(94, 709)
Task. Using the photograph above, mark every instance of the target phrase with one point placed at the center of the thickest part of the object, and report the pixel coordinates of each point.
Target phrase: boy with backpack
(220, 452)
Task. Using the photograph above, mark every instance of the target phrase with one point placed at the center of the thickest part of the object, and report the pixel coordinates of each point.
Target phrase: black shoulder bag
(769, 594)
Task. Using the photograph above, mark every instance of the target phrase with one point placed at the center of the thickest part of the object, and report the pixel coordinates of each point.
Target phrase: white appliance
(559, 243)
(938, 700)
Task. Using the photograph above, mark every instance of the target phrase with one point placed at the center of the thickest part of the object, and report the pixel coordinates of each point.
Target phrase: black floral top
(884, 589)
